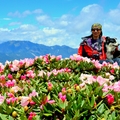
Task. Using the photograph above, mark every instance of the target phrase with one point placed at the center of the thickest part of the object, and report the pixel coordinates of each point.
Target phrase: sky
(57, 22)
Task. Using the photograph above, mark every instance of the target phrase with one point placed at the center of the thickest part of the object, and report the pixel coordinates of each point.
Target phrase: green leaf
(1, 109)
(82, 103)
(35, 100)
(87, 90)
(36, 118)
(92, 117)
(47, 110)
(97, 90)
(113, 115)
(47, 114)
(10, 118)
(101, 108)
(58, 110)
(8, 110)
(92, 100)
(77, 115)
(3, 117)
(62, 105)
(23, 117)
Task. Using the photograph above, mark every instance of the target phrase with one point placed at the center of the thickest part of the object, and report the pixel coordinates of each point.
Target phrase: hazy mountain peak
(12, 50)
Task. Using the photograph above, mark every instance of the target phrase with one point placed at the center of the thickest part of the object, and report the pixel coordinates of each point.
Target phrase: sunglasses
(96, 29)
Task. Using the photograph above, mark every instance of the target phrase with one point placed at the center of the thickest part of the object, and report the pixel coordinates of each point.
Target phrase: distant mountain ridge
(12, 50)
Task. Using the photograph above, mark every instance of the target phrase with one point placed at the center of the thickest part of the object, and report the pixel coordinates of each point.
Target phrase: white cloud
(114, 15)
(37, 11)
(28, 27)
(4, 30)
(45, 20)
(6, 18)
(25, 13)
(15, 14)
(14, 23)
(51, 31)
(65, 30)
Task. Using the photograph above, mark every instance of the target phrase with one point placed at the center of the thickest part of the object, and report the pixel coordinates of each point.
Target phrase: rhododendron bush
(51, 88)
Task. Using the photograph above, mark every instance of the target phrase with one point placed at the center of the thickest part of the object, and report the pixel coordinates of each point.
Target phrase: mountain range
(12, 50)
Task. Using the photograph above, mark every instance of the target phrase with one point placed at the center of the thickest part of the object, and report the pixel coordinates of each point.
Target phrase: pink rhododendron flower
(55, 72)
(62, 97)
(33, 94)
(115, 65)
(23, 77)
(110, 99)
(75, 57)
(28, 81)
(102, 80)
(10, 83)
(82, 85)
(105, 88)
(84, 77)
(46, 59)
(105, 63)
(52, 57)
(116, 86)
(2, 77)
(97, 64)
(21, 63)
(28, 62)
(66, 70)
(10, 94)
(41, 73)
(13, 67)
(111, 77)
(1, 99)
(55, 57)
(79, 58)
(49, 84)
(25, 101)
(10, 76)
(32, 103)
(112, 71)
(1, 67)
(11, 100)
(16, 89)
(46, 100)
(59, 57)
(31, 115)
(87, 78)
(30, 74)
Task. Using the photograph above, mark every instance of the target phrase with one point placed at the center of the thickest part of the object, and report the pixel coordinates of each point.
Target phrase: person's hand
(96, 56)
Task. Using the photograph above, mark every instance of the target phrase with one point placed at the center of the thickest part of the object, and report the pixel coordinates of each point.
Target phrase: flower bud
(14, 114)
(77, 88)
(69, 90)
(26, 108)
(112, 108)
(110, 99)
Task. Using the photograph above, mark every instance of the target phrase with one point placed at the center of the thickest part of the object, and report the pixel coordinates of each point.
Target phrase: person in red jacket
(92, 46)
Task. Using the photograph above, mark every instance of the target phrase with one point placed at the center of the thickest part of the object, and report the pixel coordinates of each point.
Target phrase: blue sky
(57, 22)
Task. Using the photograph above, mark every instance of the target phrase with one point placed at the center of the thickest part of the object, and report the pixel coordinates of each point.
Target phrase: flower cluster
(49, 87)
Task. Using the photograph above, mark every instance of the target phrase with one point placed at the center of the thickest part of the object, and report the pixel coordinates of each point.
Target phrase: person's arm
(80, 50)
(85, 51)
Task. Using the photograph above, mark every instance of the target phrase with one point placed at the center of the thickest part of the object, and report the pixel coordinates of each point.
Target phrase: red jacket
(86, 51)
